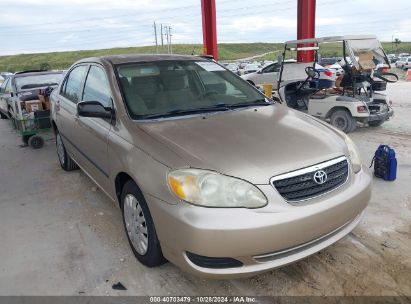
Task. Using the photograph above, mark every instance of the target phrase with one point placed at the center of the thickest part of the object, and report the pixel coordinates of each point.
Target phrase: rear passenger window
(73, 86)
(97, 87)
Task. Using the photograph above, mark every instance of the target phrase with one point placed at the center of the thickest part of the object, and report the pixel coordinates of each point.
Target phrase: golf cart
(354, 97)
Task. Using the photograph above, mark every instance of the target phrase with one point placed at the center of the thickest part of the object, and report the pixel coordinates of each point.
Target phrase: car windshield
(37, 81)
(171, 88)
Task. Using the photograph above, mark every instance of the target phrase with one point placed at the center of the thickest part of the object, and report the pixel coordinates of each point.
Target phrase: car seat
(176, 88)
(150, 91)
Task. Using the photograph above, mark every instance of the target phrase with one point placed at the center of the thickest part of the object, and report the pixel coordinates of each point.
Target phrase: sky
(38, 26)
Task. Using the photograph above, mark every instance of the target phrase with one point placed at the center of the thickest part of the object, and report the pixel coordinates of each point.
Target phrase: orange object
(408, 75)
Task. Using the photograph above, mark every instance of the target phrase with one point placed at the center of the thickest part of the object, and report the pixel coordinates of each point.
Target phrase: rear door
(65, 105)
(92, 137)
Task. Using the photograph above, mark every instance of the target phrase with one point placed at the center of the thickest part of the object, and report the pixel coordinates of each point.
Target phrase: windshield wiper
(179, 112)
(259, 102)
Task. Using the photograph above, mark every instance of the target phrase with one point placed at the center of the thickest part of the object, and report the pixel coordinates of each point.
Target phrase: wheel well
(120, 180)
(330, 112)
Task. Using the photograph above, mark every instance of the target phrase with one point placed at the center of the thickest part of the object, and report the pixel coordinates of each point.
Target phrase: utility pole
(155, 35)
(168, 41)
(162, 38)
(169, 34)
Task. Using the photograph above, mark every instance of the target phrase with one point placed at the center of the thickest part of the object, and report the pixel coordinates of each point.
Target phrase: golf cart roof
(332, 39)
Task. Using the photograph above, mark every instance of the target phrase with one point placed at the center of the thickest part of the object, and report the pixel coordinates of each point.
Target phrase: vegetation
(227, 52)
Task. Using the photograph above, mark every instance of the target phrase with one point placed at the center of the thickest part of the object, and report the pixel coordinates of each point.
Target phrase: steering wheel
(312, 73)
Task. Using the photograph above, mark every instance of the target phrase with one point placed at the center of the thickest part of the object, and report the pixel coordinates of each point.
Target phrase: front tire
(139, 226)
(65, 160)
(343, 121)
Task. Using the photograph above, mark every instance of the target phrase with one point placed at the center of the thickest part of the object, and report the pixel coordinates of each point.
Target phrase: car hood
(252, 144)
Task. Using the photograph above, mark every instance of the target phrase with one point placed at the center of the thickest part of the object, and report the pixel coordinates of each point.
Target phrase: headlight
(354, 154)
(211, 189)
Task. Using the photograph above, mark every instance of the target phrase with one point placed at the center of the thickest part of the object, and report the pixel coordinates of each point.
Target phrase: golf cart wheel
(376, 123)
(36, 142)
(65, 160)
(343, 121)
(139, 226)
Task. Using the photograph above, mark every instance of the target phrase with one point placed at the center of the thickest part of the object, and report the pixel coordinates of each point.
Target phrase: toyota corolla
(209, 174)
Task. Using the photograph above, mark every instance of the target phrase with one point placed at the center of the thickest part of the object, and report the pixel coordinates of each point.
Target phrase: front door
(93, 136)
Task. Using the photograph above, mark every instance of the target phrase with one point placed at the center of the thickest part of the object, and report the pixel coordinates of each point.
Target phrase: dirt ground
(59, 234)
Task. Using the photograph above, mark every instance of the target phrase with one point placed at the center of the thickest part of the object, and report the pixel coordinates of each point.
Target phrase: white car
(407, 63)
(250, 68)
(337, 69)
(268, 74)
(400, 62)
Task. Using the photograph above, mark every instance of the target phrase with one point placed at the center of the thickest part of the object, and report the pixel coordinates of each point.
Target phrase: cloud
(37, 26)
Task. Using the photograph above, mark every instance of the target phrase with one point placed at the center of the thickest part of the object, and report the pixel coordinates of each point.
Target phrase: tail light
(328, 73)
(362, 109)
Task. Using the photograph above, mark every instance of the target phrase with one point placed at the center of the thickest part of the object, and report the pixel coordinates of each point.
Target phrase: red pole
(209, 28)
(305, 27)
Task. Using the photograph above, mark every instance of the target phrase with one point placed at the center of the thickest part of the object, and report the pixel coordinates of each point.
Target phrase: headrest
(174, 80)
(145, 86)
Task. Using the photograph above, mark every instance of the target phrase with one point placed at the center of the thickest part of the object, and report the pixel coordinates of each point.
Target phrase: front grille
(300, 185)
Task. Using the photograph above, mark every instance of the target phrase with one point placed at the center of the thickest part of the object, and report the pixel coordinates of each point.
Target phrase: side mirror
(260, 71)
(93, 109)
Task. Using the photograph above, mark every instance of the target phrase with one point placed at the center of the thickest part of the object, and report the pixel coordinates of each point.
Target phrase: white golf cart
(355, 97)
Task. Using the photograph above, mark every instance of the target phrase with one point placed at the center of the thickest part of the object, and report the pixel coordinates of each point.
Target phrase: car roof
(332, 39)
(136, 58)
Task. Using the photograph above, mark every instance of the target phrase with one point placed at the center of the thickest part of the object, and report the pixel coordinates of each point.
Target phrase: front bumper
(381, 116)
(260, 239)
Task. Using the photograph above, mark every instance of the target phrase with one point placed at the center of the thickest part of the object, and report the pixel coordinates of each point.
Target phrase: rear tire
(139, 226)
(343, 121)
(65, 160)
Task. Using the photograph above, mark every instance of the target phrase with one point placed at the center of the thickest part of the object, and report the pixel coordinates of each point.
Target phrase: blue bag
(385, 163)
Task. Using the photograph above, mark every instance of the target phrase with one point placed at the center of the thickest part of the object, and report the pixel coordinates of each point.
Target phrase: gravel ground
(61, 236)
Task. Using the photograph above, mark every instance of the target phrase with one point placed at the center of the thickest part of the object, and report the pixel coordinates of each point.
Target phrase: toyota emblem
(320, 177)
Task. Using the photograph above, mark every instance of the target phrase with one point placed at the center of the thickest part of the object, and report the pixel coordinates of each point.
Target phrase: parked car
(401, 62)
(250, 68)
(232, 67)
(392, 57)
(202, 165)
(326, 62)
(336, 67)
(407, 64)
(268, 74)
(24, 86)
